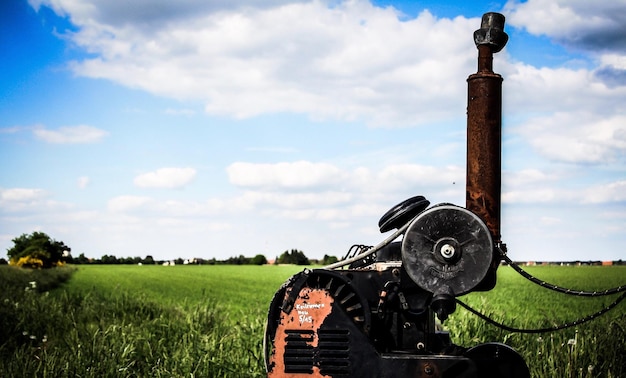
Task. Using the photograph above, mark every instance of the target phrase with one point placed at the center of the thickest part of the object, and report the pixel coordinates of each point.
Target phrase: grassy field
(237, 287)
(593, 349)
(207, 321)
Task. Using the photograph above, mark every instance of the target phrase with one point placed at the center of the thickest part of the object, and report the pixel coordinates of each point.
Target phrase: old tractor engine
(374, 313)
(377, 317)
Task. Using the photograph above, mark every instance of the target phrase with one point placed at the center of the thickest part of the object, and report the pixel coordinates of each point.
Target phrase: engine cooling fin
(313, 323)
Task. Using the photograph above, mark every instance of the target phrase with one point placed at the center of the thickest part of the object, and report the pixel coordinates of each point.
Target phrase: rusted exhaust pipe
(484, 126)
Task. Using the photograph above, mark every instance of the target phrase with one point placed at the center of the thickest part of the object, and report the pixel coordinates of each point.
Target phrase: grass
(238, 287)
(207, 321)
(593, 349)
(130, 321)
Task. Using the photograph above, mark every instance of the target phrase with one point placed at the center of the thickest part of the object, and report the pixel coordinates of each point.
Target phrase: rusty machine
(375, 317)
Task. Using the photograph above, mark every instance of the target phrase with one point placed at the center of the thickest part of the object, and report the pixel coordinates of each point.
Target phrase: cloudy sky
(203, 128)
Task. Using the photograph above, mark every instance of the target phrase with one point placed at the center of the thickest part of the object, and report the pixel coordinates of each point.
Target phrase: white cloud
(535, 195)
(530, 90)
(82, 182)
(536, 187)
(607, 193)
(133, 205)
(313, 206)
(349, 60)
(288, 175)
(597, 28)
(21, 194)
(614, 60)
(595, 25)
(550, 221)
(126, 203)
(577, 137)
(529, 176)
(352, 61)
(411, 175)
(11, 130)
(305, 175)
(25, 201)
(71, 134)
(166, 178)
(305, 190)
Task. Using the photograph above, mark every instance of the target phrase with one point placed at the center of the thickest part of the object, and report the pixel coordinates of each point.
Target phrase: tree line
(38, 250)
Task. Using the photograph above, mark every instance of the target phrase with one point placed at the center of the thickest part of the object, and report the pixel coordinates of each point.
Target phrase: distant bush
(259, 260)
(37, 250)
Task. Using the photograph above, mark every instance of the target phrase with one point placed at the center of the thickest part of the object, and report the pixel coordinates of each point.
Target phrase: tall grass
(125, 335)
(117, 321)
(593, 349)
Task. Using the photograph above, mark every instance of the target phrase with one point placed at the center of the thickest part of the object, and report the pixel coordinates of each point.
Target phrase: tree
(239, 260)
(258, 260)
(106, 259)
(38, 250)
(327, 260)
(293, 257)
(81, 259)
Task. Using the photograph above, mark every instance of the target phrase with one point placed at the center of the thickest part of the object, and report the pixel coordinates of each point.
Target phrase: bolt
(428, 369)
(447, 251)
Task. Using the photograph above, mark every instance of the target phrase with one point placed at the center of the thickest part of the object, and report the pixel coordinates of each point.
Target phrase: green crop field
(207, 321)
(237, 287)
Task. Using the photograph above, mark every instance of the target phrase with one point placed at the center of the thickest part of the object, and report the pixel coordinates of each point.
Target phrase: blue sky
(202, 129)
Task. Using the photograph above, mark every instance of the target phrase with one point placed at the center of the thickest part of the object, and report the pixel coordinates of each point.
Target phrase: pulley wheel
(446, 249)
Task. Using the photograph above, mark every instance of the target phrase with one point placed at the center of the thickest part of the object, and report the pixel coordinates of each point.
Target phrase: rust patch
(310, 309)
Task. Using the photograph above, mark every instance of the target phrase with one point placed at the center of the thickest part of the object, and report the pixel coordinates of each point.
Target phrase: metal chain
(501, 248)
(543, 330)
(580, 293)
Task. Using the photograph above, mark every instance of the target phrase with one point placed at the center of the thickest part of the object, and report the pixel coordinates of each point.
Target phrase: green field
(207, 321)
(237, 287)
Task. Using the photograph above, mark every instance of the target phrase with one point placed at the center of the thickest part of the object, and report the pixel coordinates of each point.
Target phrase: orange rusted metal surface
(309, 311)
(484, 126)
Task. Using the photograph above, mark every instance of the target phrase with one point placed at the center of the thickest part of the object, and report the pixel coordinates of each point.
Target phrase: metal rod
(484, 126)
